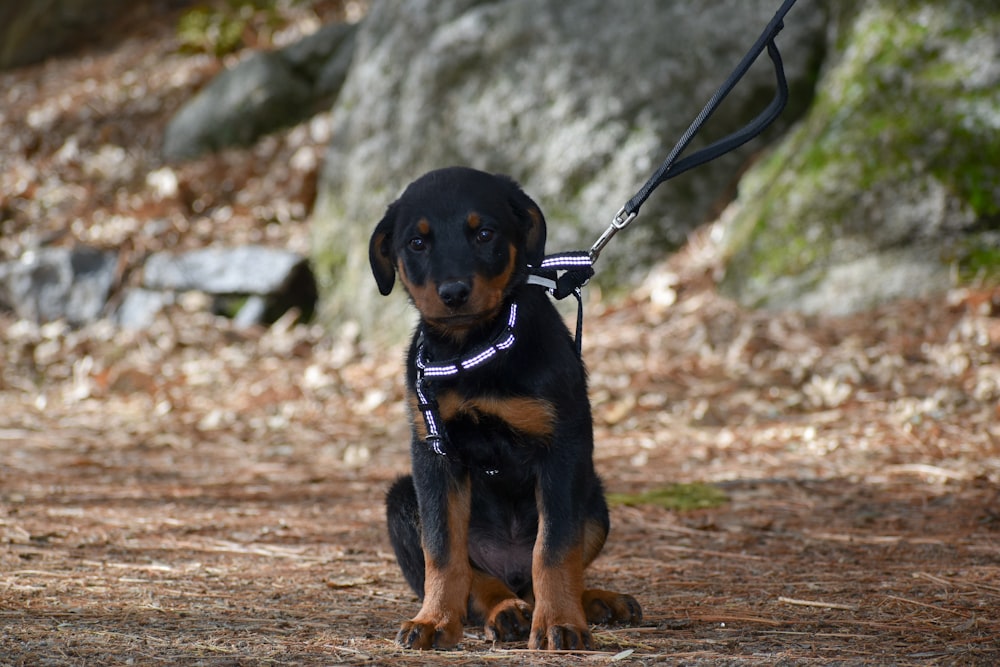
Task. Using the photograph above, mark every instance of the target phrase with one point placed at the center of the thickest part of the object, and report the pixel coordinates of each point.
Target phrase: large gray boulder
(578, 101)
(890, 187)
(267, 91)
(32, 31)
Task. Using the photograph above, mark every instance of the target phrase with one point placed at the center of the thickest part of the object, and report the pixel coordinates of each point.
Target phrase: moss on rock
(898, 162)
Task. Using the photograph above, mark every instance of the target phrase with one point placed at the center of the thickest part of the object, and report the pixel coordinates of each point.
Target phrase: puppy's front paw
(560, 638)
(424, 635)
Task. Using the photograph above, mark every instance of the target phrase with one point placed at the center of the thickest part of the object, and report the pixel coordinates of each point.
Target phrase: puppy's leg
(444, 518)
(558, 621)
(568, 540)
(557, 562)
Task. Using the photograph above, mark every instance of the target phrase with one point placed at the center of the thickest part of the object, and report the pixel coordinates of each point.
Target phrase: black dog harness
(562, 274)
(437, 437)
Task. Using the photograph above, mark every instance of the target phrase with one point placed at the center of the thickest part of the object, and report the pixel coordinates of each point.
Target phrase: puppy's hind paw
(610, 608)
(509, 620)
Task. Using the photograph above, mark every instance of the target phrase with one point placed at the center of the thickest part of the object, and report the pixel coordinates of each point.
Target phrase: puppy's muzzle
(454, 293)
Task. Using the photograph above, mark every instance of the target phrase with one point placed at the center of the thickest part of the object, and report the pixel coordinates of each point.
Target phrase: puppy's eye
(417, 244)
(485, 235)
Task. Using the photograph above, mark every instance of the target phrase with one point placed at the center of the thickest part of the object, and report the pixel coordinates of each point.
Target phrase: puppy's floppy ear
(380, 253)
(532, 221)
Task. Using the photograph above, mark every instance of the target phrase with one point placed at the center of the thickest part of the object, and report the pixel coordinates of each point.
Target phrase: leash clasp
(618, 223)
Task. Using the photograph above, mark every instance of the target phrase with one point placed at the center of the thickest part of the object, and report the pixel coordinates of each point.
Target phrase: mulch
(196, 494)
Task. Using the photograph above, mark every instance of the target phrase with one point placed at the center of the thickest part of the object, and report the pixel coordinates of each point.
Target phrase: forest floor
(197, 494)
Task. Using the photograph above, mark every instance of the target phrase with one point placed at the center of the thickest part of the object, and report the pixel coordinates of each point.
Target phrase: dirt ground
(195, 494)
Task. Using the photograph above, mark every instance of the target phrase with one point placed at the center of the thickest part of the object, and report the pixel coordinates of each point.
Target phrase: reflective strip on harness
(437, 438)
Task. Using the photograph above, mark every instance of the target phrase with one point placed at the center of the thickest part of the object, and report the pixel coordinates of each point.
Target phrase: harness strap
(577, 268)
(437, 435)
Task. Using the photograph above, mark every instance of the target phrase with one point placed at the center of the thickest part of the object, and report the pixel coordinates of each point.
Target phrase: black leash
(671, 167)
(574, 269)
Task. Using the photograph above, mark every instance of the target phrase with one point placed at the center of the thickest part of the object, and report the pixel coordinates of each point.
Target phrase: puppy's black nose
(454, 293)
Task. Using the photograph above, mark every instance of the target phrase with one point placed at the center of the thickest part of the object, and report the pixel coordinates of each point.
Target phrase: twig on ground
(928, 606)
(816, 603)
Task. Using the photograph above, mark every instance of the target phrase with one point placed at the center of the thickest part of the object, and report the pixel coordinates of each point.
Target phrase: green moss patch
(680, 497)
(219, 28)
(978, 261)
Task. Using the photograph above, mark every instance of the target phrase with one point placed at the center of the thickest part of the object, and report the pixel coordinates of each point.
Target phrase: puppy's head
(460, 240)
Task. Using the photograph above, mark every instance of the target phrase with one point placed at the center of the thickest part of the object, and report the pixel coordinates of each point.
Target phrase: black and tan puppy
(504, 510)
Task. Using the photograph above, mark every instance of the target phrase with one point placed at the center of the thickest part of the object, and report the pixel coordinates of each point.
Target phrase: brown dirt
(193, 494)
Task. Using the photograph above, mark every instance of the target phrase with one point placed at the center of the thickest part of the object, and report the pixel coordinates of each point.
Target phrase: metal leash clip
(618, 223)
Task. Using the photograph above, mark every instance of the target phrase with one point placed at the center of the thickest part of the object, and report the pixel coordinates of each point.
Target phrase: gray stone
(139, 307)
(251, 284)
(891, 185)
(253, 311)
(50, 284)
(240, 270)
(267, 91)
(579, 101)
